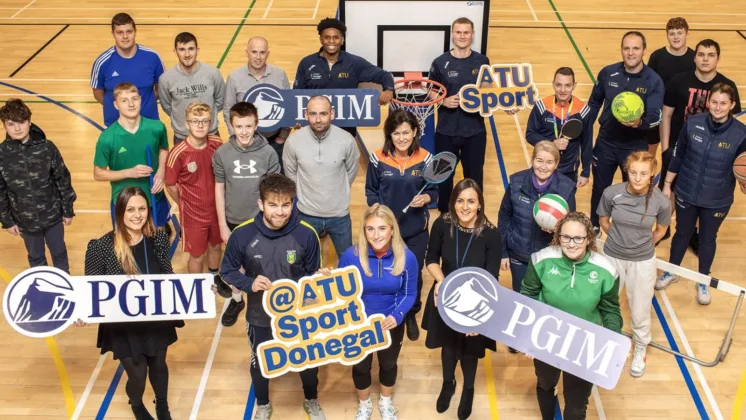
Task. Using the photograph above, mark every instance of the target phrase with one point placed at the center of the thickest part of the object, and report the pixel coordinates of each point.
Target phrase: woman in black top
(135, 247)
(463, 237)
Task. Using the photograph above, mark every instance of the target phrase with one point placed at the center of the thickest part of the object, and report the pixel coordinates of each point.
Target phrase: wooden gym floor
(48, 48)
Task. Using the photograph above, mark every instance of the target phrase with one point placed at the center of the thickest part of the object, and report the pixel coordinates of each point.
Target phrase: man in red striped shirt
(190, 182)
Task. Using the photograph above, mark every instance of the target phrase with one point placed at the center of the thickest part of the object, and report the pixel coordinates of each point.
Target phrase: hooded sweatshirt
(291, 252)
(36, 191)
(241, 170)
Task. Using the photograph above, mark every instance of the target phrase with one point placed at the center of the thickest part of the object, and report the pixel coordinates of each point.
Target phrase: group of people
(267, 195)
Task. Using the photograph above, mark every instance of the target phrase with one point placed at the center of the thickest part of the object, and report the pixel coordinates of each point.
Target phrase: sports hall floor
(48, 47)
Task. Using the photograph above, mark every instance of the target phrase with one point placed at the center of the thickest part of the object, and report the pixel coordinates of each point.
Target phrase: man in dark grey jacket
(36, 192)
(274, 245)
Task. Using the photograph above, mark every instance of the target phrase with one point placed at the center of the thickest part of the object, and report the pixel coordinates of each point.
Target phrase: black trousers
(710, 220)
(309, 377)
(470, 151)
(576, 392)
(387, 363)
(54, 238)
(606, 160)
(418, 245)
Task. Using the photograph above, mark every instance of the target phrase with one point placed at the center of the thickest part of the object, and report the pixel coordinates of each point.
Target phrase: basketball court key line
(208, 365)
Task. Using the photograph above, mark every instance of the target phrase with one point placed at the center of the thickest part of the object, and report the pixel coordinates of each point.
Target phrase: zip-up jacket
(588, 289)
(703, 160)
(291, 252)
(348, 72)
(395, 186)
(36, 191)
(383, 292)
(545, 123)
(521, 235)
(613, 80)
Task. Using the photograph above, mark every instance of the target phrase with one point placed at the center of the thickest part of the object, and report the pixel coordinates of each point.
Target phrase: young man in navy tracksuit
(274, 245)
(332, 68)
(551, 113)
(459, 132)
(615, 140)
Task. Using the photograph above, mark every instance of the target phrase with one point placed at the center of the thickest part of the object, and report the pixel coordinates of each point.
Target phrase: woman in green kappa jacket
(572, 276)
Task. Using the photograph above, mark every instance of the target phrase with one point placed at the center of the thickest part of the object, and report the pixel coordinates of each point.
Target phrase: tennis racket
(439, 169)
(149, 152)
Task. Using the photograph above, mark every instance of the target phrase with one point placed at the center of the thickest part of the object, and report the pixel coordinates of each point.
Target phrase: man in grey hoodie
(239, 165)
(187, 82)
(323, 160)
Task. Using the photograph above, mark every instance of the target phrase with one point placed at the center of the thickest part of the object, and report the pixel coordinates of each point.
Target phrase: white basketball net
(418, 96)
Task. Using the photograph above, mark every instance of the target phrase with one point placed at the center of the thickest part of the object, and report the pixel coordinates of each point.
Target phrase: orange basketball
(739, 167)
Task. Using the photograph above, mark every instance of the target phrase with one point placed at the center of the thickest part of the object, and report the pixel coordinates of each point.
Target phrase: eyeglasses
(199, 122)
(577, 239)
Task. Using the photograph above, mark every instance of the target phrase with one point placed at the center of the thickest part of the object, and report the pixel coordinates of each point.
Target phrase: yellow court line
(740, 395)
(67, 390)
(491, 392)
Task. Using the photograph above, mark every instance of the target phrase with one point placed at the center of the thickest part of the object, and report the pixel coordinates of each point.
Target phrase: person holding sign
(571, 276)
(274, 245)
(135, 247)
(627, 213)
(550, 117)
(394, 179)
(462, 237)
(389, 273)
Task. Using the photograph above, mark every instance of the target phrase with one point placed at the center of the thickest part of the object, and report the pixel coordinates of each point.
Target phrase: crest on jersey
(291, 257)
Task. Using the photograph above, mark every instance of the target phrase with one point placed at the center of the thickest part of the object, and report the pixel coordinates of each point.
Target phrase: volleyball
(627, 107)
(549, 209)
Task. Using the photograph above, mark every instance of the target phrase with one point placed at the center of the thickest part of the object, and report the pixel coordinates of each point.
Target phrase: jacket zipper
(572, 282)
(380, 268)
(702, 166)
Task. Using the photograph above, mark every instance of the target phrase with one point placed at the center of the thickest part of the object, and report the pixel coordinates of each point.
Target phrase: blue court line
(250, 404)
(110, 393)
(684, 370)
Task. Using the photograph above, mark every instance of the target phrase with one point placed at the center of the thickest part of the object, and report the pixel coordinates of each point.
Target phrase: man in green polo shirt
(121, 152)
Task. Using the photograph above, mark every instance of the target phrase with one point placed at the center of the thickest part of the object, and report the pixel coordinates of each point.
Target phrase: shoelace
(703, 289)
(314, 408)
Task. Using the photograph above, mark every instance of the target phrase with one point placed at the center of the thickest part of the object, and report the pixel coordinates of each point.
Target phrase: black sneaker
(223, 289)
(464, 406)
(444, 399)
(413, 332)
(230, 316)
(694, 243)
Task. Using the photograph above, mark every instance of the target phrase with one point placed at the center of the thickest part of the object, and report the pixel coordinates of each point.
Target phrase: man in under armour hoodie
(274, 245)
(239, 166)
(615, 140)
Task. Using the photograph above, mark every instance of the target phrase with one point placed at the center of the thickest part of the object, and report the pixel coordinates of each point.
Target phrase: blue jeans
(517, 272)
(339, 228)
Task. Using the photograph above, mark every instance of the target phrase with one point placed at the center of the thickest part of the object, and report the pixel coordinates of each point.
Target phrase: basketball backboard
(406, 36)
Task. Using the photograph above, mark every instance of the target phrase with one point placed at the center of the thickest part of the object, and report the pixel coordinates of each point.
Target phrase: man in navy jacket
(616, 140)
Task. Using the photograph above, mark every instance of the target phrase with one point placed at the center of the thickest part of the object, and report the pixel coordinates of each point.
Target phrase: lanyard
(562, 119)
(465, 251)
(147, 265)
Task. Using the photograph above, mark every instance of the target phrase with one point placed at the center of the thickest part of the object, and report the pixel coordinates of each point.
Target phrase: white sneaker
(637, 367)
(263, 412)
(364, 410)
(666, 279)
(703, 294)
(387, 409)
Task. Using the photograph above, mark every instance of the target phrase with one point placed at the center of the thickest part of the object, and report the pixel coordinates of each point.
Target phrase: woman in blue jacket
(389, 273)
(521, 235)
(702, 168)
(394, 179)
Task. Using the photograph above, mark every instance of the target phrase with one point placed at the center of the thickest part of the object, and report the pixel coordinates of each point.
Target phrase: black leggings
(710, 220)
(153, 367)
(448, 359)
(387, 363)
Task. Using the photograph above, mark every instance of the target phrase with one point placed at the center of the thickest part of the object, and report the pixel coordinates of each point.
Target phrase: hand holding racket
(570, 131)
(439, 169)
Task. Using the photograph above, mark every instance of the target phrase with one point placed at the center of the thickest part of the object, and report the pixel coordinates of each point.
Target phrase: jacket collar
(711, 125)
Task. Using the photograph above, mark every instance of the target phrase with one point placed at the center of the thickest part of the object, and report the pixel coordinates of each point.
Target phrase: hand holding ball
(627, 107)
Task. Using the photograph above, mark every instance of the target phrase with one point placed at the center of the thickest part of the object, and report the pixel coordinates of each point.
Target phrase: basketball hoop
(419, 96)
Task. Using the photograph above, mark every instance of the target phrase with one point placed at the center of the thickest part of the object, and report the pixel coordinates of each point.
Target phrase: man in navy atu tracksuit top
(615, 140)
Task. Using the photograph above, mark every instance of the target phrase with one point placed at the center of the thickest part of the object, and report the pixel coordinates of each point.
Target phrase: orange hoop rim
(400, 84)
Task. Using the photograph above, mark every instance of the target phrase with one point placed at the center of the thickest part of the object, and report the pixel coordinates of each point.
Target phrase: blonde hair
(198, 108)
(397, 243)
(125, 87)
(645, 157)
(546, 146)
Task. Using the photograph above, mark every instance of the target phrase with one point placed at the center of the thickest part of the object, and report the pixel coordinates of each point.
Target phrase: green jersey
(118, 149)
(588, 289)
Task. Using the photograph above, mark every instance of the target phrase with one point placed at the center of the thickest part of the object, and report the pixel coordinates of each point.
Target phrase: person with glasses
(573, 277)
(394, 179)
(187, 82)
(239, 166)
(190, 183)
(521, 235)
(635, 215)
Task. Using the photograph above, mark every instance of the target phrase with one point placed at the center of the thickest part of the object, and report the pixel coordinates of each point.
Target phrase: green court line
(572, 41)
(235, 34)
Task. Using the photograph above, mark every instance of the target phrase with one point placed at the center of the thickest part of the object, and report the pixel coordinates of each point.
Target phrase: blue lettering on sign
(499, 87)
(186, 304)
(96, 298)
(280, 108)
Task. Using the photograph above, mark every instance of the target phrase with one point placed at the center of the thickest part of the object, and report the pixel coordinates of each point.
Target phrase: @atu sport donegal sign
(43, 301)
(468, 303)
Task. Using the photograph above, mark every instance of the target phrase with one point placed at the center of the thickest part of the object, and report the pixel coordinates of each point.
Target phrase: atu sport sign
(468, 303)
